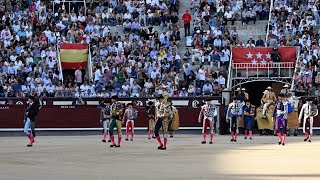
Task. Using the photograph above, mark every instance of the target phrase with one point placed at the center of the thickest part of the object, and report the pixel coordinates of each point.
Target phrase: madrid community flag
(262, 55)
(73, 56)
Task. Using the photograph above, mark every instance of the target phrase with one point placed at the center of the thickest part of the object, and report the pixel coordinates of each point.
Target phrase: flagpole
(229, 72)
(295, 68)
(268, 26)
(90, 63)
(59, 62)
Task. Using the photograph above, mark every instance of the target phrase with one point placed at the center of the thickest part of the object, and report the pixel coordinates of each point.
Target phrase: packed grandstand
(138, 48)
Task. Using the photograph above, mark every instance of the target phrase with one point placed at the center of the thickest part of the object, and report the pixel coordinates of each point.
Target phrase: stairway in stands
(182, 9)
(253, 30)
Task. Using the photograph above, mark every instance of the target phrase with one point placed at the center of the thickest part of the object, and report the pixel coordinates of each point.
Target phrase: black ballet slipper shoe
(203, 142)
(163, 148)
(103, 140)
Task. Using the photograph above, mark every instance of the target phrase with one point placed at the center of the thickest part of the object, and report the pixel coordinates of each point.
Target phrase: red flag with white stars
(262, 56)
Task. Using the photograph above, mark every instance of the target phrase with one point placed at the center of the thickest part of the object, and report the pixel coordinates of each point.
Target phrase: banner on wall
(262, 56)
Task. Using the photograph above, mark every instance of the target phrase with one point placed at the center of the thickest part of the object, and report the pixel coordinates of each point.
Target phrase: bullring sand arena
(86, 157)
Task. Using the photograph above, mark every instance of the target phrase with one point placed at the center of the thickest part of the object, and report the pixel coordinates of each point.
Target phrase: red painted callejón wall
(63, 113)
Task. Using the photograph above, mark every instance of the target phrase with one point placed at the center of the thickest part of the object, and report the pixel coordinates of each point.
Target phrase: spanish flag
(73, 56)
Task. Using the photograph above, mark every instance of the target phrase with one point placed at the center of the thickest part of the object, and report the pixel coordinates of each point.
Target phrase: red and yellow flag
(73, 56)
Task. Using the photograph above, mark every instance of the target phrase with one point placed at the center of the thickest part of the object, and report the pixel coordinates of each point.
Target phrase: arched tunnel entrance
(255, 89)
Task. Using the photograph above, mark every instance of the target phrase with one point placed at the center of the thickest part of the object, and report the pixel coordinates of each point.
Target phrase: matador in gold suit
(162, 114)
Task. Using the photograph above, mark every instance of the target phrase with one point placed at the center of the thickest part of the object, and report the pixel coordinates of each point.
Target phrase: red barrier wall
(52, 115)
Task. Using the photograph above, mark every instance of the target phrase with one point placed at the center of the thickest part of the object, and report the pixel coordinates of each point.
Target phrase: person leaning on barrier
(275, 55)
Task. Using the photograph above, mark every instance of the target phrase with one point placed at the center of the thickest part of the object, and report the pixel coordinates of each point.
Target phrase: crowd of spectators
(211, 38)
(141, 60)
(295, 23)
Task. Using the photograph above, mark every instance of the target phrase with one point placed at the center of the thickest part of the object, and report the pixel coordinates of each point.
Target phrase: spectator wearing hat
(246, 95)
(286, 91)
(240, 94)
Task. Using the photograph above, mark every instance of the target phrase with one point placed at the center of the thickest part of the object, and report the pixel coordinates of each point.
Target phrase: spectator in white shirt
(251, 16)
(221, 81)
(201, 76)
(97, 75)
(126, 87)
(135, 89)
(228, 16)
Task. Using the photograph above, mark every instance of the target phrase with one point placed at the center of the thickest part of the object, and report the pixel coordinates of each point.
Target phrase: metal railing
(262, 70)
(69, 2)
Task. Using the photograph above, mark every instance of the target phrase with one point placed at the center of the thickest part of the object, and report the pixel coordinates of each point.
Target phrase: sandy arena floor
(86, 157)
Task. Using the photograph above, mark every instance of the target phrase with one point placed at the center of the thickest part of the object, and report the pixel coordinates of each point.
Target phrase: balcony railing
(263, 70)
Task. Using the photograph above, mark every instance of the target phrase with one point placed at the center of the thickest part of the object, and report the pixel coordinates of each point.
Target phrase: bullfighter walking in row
(308, 112)
(31, 112)
(116, 114)
(129, 116)
(249, 113)
(207, 114)
(163, 112)
(281, 114)
(150, 114)
(233, 114)
(105, 118)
